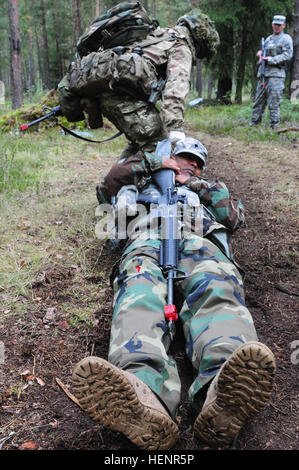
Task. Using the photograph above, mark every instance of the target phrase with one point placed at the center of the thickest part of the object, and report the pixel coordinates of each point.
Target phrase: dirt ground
(43, 347)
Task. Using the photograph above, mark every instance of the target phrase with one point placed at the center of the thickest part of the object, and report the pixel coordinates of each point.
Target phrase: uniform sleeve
(177, 85)
(286, 54)
(127, 172)
(227, 210)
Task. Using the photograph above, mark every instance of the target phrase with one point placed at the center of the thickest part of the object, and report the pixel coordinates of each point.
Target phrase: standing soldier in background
(279, 51)
(119, 67)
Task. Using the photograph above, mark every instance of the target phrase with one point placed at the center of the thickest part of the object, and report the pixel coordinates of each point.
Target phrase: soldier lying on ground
(138, 391)
(117, 81)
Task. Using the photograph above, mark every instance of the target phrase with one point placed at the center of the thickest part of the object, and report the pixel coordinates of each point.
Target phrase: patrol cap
(192, 146)
(278, 19)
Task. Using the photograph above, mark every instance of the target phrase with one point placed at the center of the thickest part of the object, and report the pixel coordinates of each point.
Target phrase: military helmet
(191, 146)
(205, 37)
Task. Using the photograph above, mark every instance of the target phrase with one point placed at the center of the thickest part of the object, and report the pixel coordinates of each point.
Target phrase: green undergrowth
(234, 121)
(10, 121)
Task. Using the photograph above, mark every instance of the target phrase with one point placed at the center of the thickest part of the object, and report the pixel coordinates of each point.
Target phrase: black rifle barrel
(54, 112)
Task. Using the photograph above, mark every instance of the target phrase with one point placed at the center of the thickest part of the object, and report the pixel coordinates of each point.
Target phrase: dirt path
(43, 344)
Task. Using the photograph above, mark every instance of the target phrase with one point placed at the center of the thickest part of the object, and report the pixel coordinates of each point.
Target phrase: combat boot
(238, 392)
(118, 400)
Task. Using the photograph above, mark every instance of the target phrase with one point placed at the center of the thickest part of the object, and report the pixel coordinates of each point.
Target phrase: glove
(175, 136)
(92, 109)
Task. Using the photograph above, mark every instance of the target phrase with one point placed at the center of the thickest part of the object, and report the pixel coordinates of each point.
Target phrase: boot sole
(244, 387)
(110, 399)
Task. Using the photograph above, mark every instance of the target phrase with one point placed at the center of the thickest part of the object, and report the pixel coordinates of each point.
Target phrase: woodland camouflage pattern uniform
(279, 49)
(210, 300)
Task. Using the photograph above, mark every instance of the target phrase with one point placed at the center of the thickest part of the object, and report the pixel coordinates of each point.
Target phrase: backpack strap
(150, 42)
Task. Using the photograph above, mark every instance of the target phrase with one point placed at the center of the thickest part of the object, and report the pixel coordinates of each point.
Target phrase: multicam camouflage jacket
(172, 52)
(279, 49)
(223, 210)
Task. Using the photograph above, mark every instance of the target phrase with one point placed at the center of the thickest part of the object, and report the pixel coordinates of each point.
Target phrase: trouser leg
(275, 90)
(215, 318)
(138, 120)
(140, 339)
(259, 103)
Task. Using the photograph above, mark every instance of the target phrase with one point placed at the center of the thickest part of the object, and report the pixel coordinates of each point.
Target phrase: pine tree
(15, 54)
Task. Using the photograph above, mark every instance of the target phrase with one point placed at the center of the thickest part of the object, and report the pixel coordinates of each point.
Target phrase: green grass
(234, 121)
(47, 204)
(21, 162)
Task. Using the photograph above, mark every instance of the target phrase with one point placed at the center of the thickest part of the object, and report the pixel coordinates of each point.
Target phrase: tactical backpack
(103, 71)
(121, 25)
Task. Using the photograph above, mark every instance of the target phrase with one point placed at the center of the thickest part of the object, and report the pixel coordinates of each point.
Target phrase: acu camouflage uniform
(279, 49)
(210, 300)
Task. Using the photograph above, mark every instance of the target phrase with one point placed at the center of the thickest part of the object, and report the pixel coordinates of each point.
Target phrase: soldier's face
(277, 28)
(188, 165)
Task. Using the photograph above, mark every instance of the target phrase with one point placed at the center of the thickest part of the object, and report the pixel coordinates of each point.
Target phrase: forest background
(39, 41)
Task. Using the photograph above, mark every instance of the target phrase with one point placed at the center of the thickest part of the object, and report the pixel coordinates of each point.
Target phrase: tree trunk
(211, 85)
(45, 48)
(154, 10)
(242, 62)
(15, 54)
(198, 78)
(225, 62)
(77, 10)
(224, 90)
(58, 41)
(295, 66)
(39, 58)
(170, 15)
(32, 81)
(99, 8)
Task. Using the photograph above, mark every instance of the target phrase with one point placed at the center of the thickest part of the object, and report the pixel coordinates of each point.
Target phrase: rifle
(167, 210)
(58, 112)
(54, 112)
(263, 64)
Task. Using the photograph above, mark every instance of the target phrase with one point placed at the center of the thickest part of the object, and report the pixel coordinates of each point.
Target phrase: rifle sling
(68, 131)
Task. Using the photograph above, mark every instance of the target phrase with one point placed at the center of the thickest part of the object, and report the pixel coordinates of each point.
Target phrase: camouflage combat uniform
(210, 300)
(173, 55)
(279, 49)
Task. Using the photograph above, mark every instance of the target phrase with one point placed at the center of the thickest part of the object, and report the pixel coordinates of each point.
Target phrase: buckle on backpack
(106, 34)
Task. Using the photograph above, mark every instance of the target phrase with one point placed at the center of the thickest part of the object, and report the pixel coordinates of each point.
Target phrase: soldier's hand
(182, 178)
(171, 164)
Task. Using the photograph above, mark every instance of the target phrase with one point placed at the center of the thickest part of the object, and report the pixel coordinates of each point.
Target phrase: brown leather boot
(238, 392)
(120, 401)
